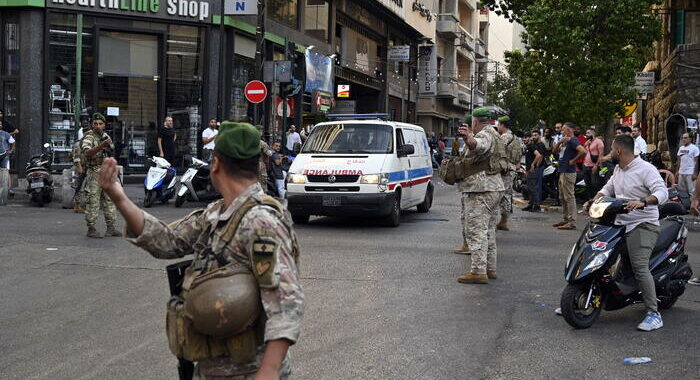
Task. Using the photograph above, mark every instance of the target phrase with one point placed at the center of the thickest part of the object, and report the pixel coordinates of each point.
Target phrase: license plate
(36, 184)
(331, 200)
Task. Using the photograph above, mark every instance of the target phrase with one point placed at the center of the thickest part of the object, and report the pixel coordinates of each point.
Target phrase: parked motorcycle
(195, 184)
(599, 272)
(160, 182)
(39, 179)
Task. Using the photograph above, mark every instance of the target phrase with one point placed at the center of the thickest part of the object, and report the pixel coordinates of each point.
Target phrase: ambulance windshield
(350, 138)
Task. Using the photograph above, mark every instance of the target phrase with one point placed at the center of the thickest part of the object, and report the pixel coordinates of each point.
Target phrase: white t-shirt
(292, 139)
(207, 134)
(640, 146)
(688, 155)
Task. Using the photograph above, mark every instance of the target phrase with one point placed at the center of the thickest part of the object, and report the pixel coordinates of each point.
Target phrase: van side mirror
(405, 150)
(296, 149)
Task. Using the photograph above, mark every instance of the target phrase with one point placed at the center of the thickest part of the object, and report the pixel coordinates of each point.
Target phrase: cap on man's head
(481, 113)
(239, 141)
(98, 116)
(504, 121)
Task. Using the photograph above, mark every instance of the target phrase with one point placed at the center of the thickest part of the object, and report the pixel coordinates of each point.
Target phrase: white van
(365, 168)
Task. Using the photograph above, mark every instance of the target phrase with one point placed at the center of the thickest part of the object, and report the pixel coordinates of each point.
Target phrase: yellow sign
(629, 110)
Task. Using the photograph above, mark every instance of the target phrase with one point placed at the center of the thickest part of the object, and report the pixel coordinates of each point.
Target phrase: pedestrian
(535, 152)
(573, 151)
(640, 183)
(440, 149)
(513, 153)
(582, 140)
(640, 145)
(166, 140)
(482, 189)
(7, 147)
(265, 154)
(7, 126)
(5, 161)
(455, 143)
(94, 146)
(276, 163)
(78, 158)
(688, 154)
(292, 138)
(556, 135)
(208, 137)
(594, 151)
(246, 239)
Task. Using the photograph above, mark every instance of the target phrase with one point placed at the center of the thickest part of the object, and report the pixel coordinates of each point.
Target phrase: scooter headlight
(598, 260)
(299, 179)
(598, 209)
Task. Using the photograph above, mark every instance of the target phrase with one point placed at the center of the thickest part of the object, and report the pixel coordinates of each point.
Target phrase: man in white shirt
(208, 137)
(292, 138)
(688, 154)
(640, 183)
(640, 145)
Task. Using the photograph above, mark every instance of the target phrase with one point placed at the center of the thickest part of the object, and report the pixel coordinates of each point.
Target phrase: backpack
(514, 150)
(498, 161)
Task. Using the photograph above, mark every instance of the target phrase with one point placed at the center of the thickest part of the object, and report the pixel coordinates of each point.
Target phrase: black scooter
(39, 179)
(599, 272)
(195, 184)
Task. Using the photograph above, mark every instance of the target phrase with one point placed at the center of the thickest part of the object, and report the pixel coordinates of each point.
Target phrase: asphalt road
(382, 303)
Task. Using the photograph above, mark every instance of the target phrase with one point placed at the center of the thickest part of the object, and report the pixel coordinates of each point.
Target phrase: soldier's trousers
(481, 214)
(507, 199)
(97, 200)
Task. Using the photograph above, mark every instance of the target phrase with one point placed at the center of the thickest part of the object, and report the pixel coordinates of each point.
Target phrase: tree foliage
(582, 57)
(503, 92)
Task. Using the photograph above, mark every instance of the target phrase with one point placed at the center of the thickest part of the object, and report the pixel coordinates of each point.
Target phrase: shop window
(316, 18)
(11, 45)
(243, 71)
(284, 11)
(128, 54)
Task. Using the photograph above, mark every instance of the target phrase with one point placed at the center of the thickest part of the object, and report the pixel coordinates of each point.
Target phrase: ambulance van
(362, 167)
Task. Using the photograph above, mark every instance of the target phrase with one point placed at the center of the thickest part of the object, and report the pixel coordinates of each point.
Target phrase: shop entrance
(129, 93)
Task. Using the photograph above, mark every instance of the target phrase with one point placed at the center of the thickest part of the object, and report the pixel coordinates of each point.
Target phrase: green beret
(503, 119)
(481, 112)
(98, 116)
(239, 141)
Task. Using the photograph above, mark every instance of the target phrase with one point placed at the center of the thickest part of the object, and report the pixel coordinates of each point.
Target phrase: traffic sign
(255, 91)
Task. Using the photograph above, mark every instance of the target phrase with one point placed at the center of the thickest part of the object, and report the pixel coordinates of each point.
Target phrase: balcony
(463, 95)
(447, 88)
(480, 49)
(448, 26)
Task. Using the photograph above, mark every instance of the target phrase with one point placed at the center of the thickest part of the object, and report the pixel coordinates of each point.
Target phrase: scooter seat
(669, 232)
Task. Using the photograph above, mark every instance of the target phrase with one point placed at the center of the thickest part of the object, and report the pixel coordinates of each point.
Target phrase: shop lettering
(332, 172)
(183, 8)
(187, 8)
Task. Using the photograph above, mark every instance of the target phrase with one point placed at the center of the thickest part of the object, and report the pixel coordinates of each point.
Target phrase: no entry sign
(255, 91)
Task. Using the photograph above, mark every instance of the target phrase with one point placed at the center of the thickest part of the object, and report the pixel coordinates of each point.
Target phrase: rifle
(176, 273)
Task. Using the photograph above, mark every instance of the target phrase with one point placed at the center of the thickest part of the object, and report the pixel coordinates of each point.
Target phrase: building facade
(460, 76)
(138, 61)
(504, 36)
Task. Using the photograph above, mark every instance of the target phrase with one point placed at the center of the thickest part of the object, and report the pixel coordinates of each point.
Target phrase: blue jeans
(534, 184)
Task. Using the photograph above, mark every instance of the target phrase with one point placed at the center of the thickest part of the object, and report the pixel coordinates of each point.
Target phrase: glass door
(128, 93)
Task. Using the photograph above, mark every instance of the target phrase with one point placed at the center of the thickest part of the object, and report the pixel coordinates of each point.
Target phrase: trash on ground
(637, 360)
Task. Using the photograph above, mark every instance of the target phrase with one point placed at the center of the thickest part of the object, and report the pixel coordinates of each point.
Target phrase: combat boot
(111, 231)
(473, 278)
(463, 250)
(92, 232)
(78, 209)
(503, 224)
(491, 274)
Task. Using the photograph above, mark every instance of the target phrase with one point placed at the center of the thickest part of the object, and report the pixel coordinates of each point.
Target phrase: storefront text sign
(241, 7)
(400, 53)
(193, 10)
(427, 67)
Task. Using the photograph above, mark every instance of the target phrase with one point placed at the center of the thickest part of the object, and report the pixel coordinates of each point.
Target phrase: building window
(316, 18)
(284, 11)
(11, 42)
(692, 28)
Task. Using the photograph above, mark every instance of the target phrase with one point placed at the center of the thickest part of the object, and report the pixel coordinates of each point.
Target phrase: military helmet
(223, 303)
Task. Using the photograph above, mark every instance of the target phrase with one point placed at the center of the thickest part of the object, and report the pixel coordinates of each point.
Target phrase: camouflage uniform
(265, 153)
(507, 177)
(283, 302)
(481, 194)
(76, 155)
(96, 198)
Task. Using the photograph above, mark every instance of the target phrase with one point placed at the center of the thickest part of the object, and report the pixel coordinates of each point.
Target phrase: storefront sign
(241, 7)
(319, 72)
(395, 6)
(644, 82)
(343, 90)
(193, 10)
(400, 53)
(345, 106)
(427, 70)
(322, 101)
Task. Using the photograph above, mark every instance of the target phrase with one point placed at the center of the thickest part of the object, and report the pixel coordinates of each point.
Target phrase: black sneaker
(528, 208)
(536, 209)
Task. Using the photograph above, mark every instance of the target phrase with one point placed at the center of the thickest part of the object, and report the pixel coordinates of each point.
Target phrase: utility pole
(259, 55)
(78, 108)
(222, 39)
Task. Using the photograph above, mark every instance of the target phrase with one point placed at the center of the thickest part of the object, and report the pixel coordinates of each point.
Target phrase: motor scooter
(599, 273)
(39, 179)
(160, 182)
(195, 184)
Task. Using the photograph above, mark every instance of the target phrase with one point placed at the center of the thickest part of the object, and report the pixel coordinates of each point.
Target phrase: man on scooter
(639, 182)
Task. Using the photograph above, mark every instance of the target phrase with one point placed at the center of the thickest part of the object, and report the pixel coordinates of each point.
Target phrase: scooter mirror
(46, 145)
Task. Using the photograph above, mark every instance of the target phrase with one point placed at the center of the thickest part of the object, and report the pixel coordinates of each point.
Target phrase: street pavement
(382, 303)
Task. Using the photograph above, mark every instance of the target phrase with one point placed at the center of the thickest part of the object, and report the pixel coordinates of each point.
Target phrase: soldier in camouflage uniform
(265, 153)
(510, 140)
(234, 174)
(481, 194)
(94, 144)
